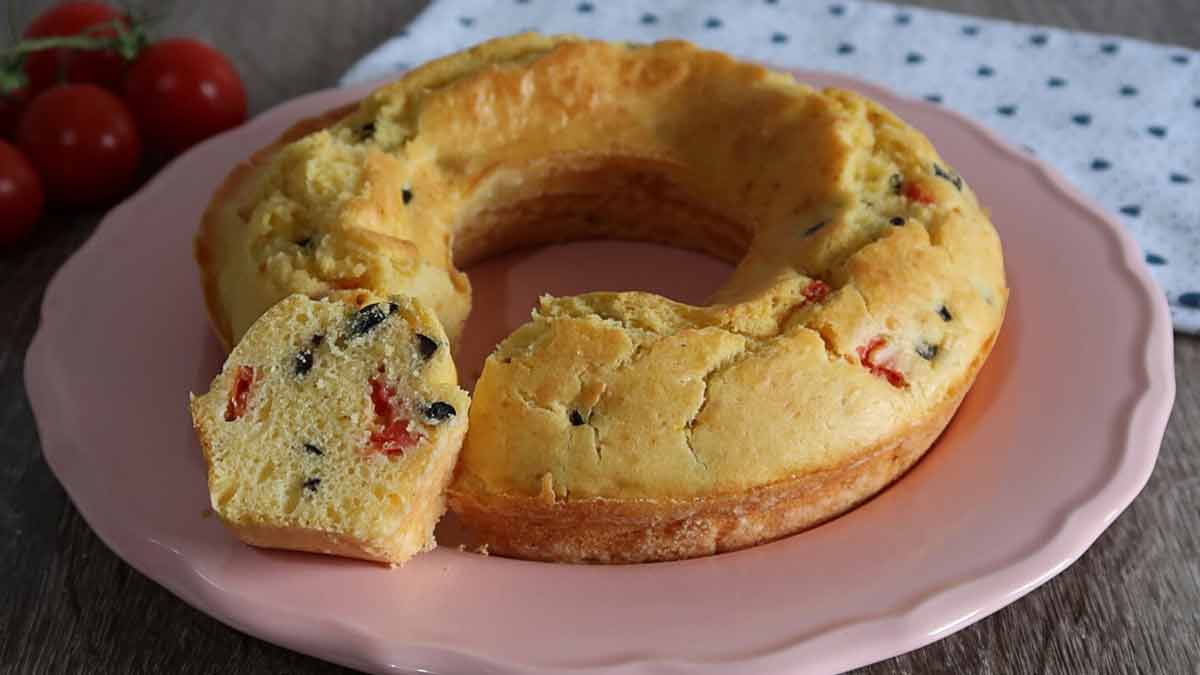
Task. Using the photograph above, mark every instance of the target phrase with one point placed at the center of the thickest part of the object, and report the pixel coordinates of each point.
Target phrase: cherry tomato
(21, 198)
(49, 67)
(182, 91)
(12, 104)
(84, 143)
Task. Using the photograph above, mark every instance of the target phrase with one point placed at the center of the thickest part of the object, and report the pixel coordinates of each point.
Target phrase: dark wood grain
(1131, 604)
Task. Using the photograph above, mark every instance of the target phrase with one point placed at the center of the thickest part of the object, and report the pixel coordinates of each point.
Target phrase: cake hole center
(604, 224)
(506, 287)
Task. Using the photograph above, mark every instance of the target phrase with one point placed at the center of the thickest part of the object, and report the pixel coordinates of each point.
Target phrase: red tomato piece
(393, 437)
(886, 369)
(817, 291)
(381, 397)
(915, 192)
(239, 394)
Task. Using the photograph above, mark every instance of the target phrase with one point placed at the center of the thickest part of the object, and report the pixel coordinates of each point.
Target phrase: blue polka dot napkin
(1120, 118)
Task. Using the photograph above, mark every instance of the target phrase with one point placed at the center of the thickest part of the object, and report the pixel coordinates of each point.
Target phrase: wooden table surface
(69, 605)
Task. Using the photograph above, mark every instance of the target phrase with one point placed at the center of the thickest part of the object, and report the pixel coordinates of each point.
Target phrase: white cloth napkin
(1119, 117)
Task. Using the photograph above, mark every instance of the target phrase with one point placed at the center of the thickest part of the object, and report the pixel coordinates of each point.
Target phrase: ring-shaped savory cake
(868, 290)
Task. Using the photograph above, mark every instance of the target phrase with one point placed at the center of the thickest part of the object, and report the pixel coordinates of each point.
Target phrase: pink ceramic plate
(1059, 435)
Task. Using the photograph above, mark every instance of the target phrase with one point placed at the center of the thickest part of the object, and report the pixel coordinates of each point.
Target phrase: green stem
(30, 45)
(11, 81)
(125, 40)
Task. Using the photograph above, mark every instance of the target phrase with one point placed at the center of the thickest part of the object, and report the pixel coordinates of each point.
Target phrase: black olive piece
(406, 194)
(317, 340)
(814, 229)
(439, 411)
(304, 243)
(313, 450)
(927, 351)
(944, 313)
(956, 181)
(897, 221)
(311, 484)
(366, 131)
(896, 183)
(426, 346)
(576, 418)
(370, 316)
(304, 361)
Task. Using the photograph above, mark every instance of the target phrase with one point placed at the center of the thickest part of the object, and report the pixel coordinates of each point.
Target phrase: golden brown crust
(306, 540)
(601, 530)
(227, 193)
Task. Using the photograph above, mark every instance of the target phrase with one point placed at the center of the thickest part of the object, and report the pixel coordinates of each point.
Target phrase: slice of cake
(334, 427)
